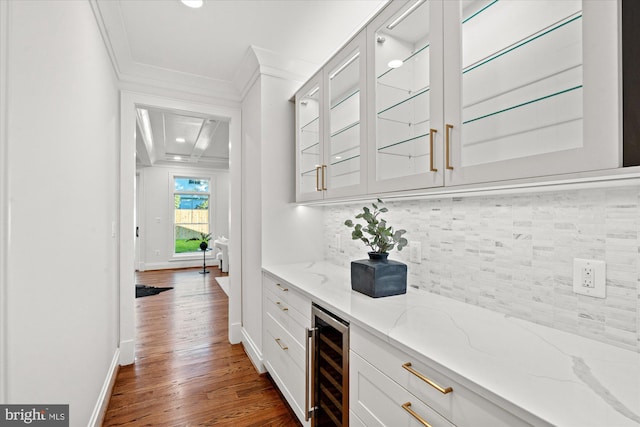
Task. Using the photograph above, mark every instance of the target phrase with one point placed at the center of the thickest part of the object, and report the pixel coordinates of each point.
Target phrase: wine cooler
(327, 376)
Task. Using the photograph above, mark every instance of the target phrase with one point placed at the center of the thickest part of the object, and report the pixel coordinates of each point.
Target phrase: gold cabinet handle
(407, 407)
(447, 144)
(282, 346)
(282, 307)
(324, 182)
(441, 389)
(431, 132)
(282, 288)
(318, 179)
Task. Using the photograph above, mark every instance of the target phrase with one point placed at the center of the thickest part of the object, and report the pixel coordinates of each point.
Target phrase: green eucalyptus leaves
(382, 238)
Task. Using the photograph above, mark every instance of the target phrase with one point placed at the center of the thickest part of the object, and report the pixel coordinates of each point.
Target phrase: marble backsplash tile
(514, 254)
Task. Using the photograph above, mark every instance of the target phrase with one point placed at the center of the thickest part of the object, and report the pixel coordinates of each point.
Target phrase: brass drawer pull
(431, 168)
(442, 390)
(283, 308)
(282, 288)
(447, 145)
(282, 346)
(318, 178)
(407, 407)
(324, 181)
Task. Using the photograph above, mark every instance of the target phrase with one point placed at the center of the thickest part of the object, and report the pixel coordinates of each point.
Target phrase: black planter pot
(378, 277)
(203, 246)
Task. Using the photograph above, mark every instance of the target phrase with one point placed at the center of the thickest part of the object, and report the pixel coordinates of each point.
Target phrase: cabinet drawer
(285, 341)
(285, 365)
(291, 320)
(286, 294)
(461, 406)
(379, 401)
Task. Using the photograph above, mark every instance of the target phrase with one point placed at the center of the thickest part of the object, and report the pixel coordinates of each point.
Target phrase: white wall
(62, 187)
(156, 224)
(275, 230)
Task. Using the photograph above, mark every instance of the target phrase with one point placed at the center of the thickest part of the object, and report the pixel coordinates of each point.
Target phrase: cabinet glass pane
(521, 79)
(344, 119)
(309, 139)
(402, 93)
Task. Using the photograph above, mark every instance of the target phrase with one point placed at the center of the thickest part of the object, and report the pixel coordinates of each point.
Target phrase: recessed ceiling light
(193, 3)
(396, 63)
(338, 157)
(177, 158)
(181, 140)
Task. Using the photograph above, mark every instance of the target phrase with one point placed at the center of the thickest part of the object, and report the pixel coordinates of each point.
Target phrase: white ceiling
(165, 44)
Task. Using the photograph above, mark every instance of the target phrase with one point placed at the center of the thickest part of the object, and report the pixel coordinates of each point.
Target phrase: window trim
(173, 256)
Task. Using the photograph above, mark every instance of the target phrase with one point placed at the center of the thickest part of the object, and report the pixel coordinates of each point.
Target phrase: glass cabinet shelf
(309, 123)
(395, 144)
(306, 149)
(337, 162)
(389, 70)
(344, 129)
(523, 104)
(420, 92)
(544, 32)
(357, 91)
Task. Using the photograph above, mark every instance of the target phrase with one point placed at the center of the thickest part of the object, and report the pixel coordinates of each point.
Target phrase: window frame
(172, 193)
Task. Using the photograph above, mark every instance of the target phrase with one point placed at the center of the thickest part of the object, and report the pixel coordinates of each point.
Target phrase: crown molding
(258, 61)
(108, 15)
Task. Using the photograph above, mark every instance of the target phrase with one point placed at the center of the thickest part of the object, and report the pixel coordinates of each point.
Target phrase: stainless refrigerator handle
(307, 410)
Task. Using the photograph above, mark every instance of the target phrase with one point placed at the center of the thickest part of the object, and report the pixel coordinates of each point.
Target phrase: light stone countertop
(560, 378)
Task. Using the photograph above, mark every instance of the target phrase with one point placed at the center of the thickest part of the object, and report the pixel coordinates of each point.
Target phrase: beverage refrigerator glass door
(327, 388)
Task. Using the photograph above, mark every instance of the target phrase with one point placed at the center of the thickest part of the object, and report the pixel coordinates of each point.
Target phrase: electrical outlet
(337, 243)
(589, 277)
(415, 252)
(157, 252)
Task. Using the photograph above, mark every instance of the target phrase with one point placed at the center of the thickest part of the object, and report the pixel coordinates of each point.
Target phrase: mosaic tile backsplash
(514, 254)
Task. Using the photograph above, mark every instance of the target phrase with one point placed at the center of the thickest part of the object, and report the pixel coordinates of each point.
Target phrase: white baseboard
(255, 355)
(235, 333)
(127, 353)
(167, 265)
(99, 411)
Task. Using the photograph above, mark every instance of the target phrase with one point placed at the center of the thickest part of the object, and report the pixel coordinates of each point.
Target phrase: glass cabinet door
(345, 154)
(309, 141)
(406, 48)
(520, 95)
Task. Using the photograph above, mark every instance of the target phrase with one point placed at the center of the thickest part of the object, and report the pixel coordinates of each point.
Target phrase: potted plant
(204, 240)
(378, 276)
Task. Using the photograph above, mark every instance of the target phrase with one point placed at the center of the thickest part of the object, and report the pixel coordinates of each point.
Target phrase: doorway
(129, 102)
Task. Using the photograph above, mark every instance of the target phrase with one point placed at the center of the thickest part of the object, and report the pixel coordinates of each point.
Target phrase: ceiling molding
(110, 21)
(258, 61)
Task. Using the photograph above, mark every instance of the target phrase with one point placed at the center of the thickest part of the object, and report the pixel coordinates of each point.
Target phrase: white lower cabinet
(286, 314)
(379, 401)
(383, 378)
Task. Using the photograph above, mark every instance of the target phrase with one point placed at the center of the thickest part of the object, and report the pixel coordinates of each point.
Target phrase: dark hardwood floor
(186, 373)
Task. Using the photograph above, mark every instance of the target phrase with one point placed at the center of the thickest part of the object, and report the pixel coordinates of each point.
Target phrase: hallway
(186, 372)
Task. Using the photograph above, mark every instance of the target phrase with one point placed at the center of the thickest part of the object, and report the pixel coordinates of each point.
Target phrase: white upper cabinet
(309, 147)
(406, 97)
(465, 92)
(531, 88)
(346, 131)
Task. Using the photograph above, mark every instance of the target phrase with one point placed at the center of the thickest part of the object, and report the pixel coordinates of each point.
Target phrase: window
(191, 212)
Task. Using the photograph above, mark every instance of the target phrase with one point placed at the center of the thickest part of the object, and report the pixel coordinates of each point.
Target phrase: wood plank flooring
(186, 373)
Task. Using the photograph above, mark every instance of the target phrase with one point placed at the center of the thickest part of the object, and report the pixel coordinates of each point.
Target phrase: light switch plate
(589, 277)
